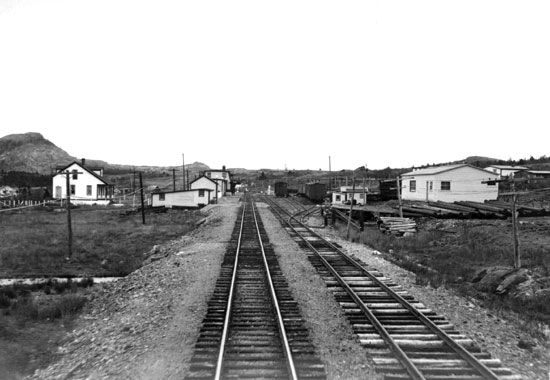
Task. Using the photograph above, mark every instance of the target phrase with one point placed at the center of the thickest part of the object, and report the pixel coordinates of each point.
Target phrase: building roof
(213, 180)
(88, 170)
(440, 169)
(508, 167)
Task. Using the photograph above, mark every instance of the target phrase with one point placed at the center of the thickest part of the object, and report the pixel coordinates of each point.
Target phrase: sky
(278, 84)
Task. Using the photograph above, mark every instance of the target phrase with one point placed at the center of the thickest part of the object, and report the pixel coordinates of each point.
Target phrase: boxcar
(316, 191)
(281, 189)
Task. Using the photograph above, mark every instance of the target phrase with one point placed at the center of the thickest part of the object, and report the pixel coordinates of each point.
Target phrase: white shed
(186, 198)
(449, 184)
(346, 193)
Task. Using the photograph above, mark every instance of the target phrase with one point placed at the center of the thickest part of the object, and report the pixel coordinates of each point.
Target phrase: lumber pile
(397, 226)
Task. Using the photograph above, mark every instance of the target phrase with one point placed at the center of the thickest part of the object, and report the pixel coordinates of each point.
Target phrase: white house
(86, 184)
(204, 182)
(346, 193)
(185, 198)
(505, 170)
(449, 184)
(222, 178)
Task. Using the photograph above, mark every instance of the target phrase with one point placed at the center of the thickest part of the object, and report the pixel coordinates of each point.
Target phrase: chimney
(83, 161)
(223, 168)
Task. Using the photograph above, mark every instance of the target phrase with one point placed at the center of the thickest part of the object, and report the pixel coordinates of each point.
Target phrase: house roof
(88, 170)
(442, 169)
(203, 176)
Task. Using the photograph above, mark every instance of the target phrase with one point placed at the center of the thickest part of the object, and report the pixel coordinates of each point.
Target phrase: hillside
(30, 152)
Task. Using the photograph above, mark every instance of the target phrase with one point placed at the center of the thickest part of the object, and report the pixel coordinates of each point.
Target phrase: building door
(58, 193)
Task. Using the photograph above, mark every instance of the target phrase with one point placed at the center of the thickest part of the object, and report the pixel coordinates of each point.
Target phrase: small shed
(450, 183)
(347, 193)
(184, 198)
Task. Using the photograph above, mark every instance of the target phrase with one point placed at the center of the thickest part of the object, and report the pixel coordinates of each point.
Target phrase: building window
(162, 197)
(89, 190)
(431, 185)
(75, 174)
(201, 193)
(73, 189)
(412, 186)
(445, 185)
(337, 198)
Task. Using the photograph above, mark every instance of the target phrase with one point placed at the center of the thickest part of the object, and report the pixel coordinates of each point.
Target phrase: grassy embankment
(34, 320)
(440, 258)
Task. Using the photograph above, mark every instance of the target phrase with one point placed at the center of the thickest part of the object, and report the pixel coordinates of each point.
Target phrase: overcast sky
(269, 84)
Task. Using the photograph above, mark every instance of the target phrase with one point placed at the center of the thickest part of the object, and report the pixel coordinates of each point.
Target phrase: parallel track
(253, 328)
(405, 339)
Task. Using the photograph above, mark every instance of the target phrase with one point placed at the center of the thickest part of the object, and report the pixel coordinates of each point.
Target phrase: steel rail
(219, 363)
(460, 350)
(288, 352)
(411, 369)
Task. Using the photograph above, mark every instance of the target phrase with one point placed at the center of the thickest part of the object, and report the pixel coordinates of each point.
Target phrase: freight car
(281, 189)
(315, 191)
(388, 189)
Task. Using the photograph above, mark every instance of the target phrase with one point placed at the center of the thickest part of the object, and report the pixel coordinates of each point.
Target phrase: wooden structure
(449, 184)
(185, 199)
(86, 184)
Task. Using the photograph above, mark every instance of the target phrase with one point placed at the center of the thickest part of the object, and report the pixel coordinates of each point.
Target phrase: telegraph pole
(69, 219)
(183, 169)
(142, 202)
(351, 207)
(174, 178)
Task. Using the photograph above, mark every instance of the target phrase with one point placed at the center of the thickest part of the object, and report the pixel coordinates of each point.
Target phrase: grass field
(106, 242)
(450, 252)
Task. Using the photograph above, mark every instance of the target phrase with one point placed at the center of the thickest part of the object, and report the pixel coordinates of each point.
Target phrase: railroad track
(405, 339)
(253, 328)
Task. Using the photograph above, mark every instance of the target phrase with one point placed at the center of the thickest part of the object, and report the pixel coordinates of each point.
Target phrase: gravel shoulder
(145, 325)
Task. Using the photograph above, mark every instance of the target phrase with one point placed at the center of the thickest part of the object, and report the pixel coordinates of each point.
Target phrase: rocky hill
(30, 152)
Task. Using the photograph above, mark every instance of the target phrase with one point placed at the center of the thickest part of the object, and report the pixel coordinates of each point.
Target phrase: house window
(445, 185)
(337, 198)
(201, 193)
(75, 174)
(162, 197)
(431, 185)
(412, 186)
(89, 190)
(73, 189)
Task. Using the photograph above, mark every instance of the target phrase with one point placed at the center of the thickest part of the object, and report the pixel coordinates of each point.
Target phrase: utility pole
(399, 196)
(350, 207)
(69, 219)
(174, 178)
(142, 200)
(515, 229)
(183, 168)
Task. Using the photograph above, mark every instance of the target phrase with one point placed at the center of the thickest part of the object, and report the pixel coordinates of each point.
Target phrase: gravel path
(145, 325)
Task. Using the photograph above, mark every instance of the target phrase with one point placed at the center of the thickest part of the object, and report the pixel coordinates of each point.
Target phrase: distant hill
(32, 153)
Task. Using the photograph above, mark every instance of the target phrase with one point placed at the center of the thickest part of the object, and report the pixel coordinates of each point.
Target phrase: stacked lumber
(396, 226)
